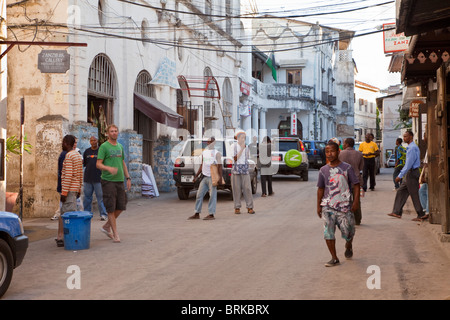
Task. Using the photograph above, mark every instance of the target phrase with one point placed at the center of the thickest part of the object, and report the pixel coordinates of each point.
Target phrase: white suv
(188, 163)
(278, 157)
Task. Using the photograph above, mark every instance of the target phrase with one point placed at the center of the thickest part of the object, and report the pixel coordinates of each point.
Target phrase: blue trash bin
(77, 230)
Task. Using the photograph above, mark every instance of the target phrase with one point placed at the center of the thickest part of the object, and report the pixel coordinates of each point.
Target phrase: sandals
(251, 211)
(109, 234)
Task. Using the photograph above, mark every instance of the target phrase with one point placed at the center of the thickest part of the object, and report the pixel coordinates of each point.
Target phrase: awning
(157, 111)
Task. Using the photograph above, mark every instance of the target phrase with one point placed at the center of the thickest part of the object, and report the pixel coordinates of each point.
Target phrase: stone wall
(163, 165)
(132, 145)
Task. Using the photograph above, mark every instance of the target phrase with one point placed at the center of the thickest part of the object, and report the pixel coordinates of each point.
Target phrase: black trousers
(267, 178)
(369, 170)
(409, 187)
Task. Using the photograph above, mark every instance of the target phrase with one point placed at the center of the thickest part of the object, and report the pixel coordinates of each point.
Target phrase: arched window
(142, 85)
(102, 83)
(227, 96)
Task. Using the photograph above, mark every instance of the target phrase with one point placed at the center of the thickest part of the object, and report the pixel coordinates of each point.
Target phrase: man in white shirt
(209, 156)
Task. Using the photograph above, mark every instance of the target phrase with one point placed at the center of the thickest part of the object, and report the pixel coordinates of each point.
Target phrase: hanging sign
(394, 42)
(293, 124)
(414, 108)
(245, 88)
(53, 61)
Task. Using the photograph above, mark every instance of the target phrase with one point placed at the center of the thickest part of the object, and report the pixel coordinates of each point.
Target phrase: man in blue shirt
(410, 183)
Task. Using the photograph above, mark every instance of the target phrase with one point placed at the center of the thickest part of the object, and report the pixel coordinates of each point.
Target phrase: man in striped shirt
(71, 182)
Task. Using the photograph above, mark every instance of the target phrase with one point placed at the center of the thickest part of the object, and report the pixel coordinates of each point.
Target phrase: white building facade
(389, 106)
(137, 71)
(365, 109)
(310, 93)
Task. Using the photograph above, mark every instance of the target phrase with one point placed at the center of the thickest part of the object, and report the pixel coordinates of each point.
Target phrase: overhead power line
(252, 15)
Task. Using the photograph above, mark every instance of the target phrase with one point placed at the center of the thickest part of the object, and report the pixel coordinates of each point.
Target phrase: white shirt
(244, 155)
(209, 158)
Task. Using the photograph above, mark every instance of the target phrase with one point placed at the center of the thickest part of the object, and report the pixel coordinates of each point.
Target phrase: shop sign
(293, 124)
(414, 108)
(394, 42)
(245, 88)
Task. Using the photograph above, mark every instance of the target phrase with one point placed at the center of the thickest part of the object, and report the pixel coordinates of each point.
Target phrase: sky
(368, 52)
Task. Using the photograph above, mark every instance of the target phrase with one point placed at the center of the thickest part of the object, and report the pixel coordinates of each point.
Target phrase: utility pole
(22, 118)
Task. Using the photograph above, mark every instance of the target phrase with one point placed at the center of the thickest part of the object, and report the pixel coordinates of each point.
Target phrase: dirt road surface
(276, 254)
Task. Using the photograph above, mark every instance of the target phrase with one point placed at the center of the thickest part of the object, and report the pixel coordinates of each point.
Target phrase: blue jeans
(205, 186)
(423, 195)
(89, 189)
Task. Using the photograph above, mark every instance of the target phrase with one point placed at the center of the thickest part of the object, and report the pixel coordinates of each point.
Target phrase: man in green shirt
(111, 161)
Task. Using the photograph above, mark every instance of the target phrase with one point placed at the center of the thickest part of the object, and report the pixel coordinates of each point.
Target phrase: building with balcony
(302, 80)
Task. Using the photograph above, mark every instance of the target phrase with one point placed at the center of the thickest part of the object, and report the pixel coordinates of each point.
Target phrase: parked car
(316, 153)
(13, 246)
(278, 157)
(390, 162)
(189, 161)
(377, 159)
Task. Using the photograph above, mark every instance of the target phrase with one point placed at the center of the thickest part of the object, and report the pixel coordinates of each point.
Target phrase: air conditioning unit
(209, 109)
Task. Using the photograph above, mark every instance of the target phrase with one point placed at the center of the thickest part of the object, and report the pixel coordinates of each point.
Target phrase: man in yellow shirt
(370, 151)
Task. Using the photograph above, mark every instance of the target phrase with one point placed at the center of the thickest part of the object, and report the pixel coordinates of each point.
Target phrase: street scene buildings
(164, 71)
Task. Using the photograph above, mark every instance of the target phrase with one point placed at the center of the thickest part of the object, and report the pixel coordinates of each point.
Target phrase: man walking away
(92, 179)
(400, 158)
(370, 151)
(336, 183)
(356, 160)
(410, 183)
(111, 160)
(71, 182)
(209, 156)
(265, 166)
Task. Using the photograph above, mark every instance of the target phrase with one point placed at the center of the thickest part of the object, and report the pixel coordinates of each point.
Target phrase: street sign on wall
(53, 61)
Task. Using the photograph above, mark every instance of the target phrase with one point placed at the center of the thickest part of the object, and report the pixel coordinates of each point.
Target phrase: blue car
(316, 153)
(13, 246)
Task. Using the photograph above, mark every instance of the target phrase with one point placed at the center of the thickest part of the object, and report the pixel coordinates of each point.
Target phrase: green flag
(271, 63)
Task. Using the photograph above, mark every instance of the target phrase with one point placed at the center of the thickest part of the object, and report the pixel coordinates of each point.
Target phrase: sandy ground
(276, 254)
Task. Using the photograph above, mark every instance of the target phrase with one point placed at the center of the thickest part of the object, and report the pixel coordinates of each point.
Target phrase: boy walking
(336, 184)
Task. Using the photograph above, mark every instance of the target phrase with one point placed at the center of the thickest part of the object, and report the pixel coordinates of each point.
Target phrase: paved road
(278, 253)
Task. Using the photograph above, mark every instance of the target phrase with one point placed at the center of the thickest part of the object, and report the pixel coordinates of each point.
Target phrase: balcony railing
(281, 91)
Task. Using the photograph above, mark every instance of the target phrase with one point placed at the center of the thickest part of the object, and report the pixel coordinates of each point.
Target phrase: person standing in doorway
(111, 161)
(370, 151)
(92, 179)
(209, 156)
(400, 158)
(410, 183)
(240, 176)
(356, 160)
(336, 184)
(265, 164)
(71, 182)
